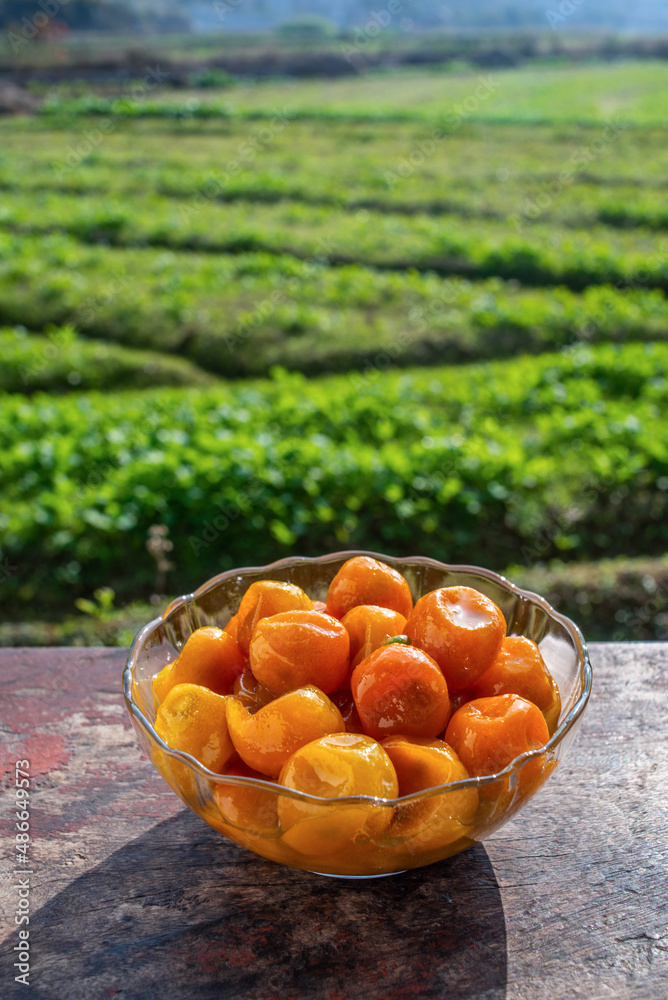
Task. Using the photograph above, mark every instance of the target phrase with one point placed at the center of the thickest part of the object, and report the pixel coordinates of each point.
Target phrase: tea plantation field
(413, 312)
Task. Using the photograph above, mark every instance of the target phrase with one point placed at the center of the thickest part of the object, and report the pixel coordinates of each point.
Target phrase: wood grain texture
(583, 871)
(134, 897)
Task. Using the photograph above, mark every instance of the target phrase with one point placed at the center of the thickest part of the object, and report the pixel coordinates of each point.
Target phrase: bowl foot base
(380, 875)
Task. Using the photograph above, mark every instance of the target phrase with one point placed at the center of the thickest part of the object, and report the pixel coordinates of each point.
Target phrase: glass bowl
(356, 836)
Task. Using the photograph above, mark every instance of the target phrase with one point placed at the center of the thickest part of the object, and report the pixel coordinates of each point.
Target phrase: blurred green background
(292, 284)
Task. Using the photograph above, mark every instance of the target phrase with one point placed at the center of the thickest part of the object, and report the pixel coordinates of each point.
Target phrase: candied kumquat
(264, 599)
(296, 648)
(368, 626)
(332, 767)
(422, 764)
(363, 580)
(400, 689)
(210, 658)
(251, 810)
(232, 627)
(265, 740)
(194, 719)
(488, 733)
(520, 669)
(461, 629)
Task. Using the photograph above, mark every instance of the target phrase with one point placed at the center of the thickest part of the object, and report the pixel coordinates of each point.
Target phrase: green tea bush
(309, 163)
(60, 362)
(543, 254)
(614, 599)
(509, 462)
(240, 315)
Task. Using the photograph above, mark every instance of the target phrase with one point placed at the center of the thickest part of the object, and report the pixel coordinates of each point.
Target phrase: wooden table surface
(132, 896)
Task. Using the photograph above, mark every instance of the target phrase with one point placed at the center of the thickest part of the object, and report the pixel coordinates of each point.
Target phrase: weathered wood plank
(583, 871)
(133, 896)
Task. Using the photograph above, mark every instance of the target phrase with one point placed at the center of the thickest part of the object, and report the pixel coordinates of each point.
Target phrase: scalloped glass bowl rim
(518, 762)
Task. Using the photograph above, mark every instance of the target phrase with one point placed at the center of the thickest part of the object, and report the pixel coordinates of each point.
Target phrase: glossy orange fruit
(193, 719)
(333, 767)
(249, 810)
(210, 658)
(363, 580)
(265, 740)
(520, 669)
(421, 764)
(488, 733)
(296, 648)
(461, 629)
(264, 599)
(368, 626)
(232, 627)
(400, 690)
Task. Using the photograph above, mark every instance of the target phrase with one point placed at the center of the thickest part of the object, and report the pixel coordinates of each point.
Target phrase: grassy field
(416, 312)
(631, 92)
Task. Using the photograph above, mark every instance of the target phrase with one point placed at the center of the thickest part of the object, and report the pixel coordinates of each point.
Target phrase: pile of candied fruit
(364, 694)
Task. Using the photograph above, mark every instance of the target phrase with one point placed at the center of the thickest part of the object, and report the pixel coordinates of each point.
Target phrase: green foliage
(118, 627)
(102, 608)
(509, 462)
(211, 78)
(614, 599)
(82, 15)
(357, 226)
(240, 315)
(542, 255)
(477, 171)
(60, 362)
(633, 92)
